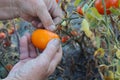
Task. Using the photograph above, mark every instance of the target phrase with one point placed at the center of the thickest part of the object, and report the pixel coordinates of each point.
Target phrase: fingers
(56, 13)
(45, 17)
(57, 57)
(51, 49)
(37, 24)
(24, 48)
(55, 61)
(8, 13)
(31, 48)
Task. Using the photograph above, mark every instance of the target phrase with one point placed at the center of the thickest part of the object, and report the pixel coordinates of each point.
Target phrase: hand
(41, 13)
(33, 67)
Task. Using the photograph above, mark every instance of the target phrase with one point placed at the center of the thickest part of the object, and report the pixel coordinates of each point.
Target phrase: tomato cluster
(108, 3)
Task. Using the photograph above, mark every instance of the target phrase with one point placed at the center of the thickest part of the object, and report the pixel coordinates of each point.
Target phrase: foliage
(91, 41)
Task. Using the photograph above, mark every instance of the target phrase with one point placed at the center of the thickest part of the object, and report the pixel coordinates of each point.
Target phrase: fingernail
(51, 28)
(55, 42)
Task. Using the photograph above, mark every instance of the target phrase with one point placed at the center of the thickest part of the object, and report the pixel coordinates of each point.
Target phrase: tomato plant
(108, 4)
(41, 37)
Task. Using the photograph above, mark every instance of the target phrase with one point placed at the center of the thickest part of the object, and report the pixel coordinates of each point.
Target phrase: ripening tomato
(9, 67)
(108, 3)
(41, 37)
(2, 35)
(79, 10)
(7, 44)
(65, 38)
(74, 33)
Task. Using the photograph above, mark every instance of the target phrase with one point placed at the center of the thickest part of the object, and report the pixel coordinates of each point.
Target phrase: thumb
(45, 16)
(51, 49)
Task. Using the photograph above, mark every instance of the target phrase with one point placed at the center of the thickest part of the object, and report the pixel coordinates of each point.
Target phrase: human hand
(33, 67)
(41, 13)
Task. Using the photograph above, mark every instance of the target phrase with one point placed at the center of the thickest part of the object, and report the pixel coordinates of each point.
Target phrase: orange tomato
(79, 10)
(2, 35)
(41, 37)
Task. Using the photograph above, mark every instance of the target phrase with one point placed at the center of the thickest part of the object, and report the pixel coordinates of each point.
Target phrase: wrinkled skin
(36, 67)
(41, 13)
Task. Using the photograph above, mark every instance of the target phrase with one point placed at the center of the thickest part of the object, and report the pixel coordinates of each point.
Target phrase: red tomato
(57, 1)
(108, 3)
(7, 43)
(2, 35)
(65, 39)
(9, 66)
(79, 10)
(74, 33)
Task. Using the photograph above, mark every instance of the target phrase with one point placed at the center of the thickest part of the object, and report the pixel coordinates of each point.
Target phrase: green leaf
(77, 2)
(93, 17)
(94, 13)
(115, 11)
(85, 7)
(118, 69)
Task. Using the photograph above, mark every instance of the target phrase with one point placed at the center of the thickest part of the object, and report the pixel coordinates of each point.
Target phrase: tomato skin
(74, 33)
(7, 43)
(79, 10)
(108, 3)
(2, 35)
(57, 1)
(115, 3)
(65, 39)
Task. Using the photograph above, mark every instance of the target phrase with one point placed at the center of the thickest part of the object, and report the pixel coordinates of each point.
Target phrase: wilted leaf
(99, 52)
(97, 39)
(1, 25)
(85, 25)
(64, 23)
(93, 12)
(118, 70)
(109, 76)
(118, 54)
(93, 17)
(77, 2)
(86, 29)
